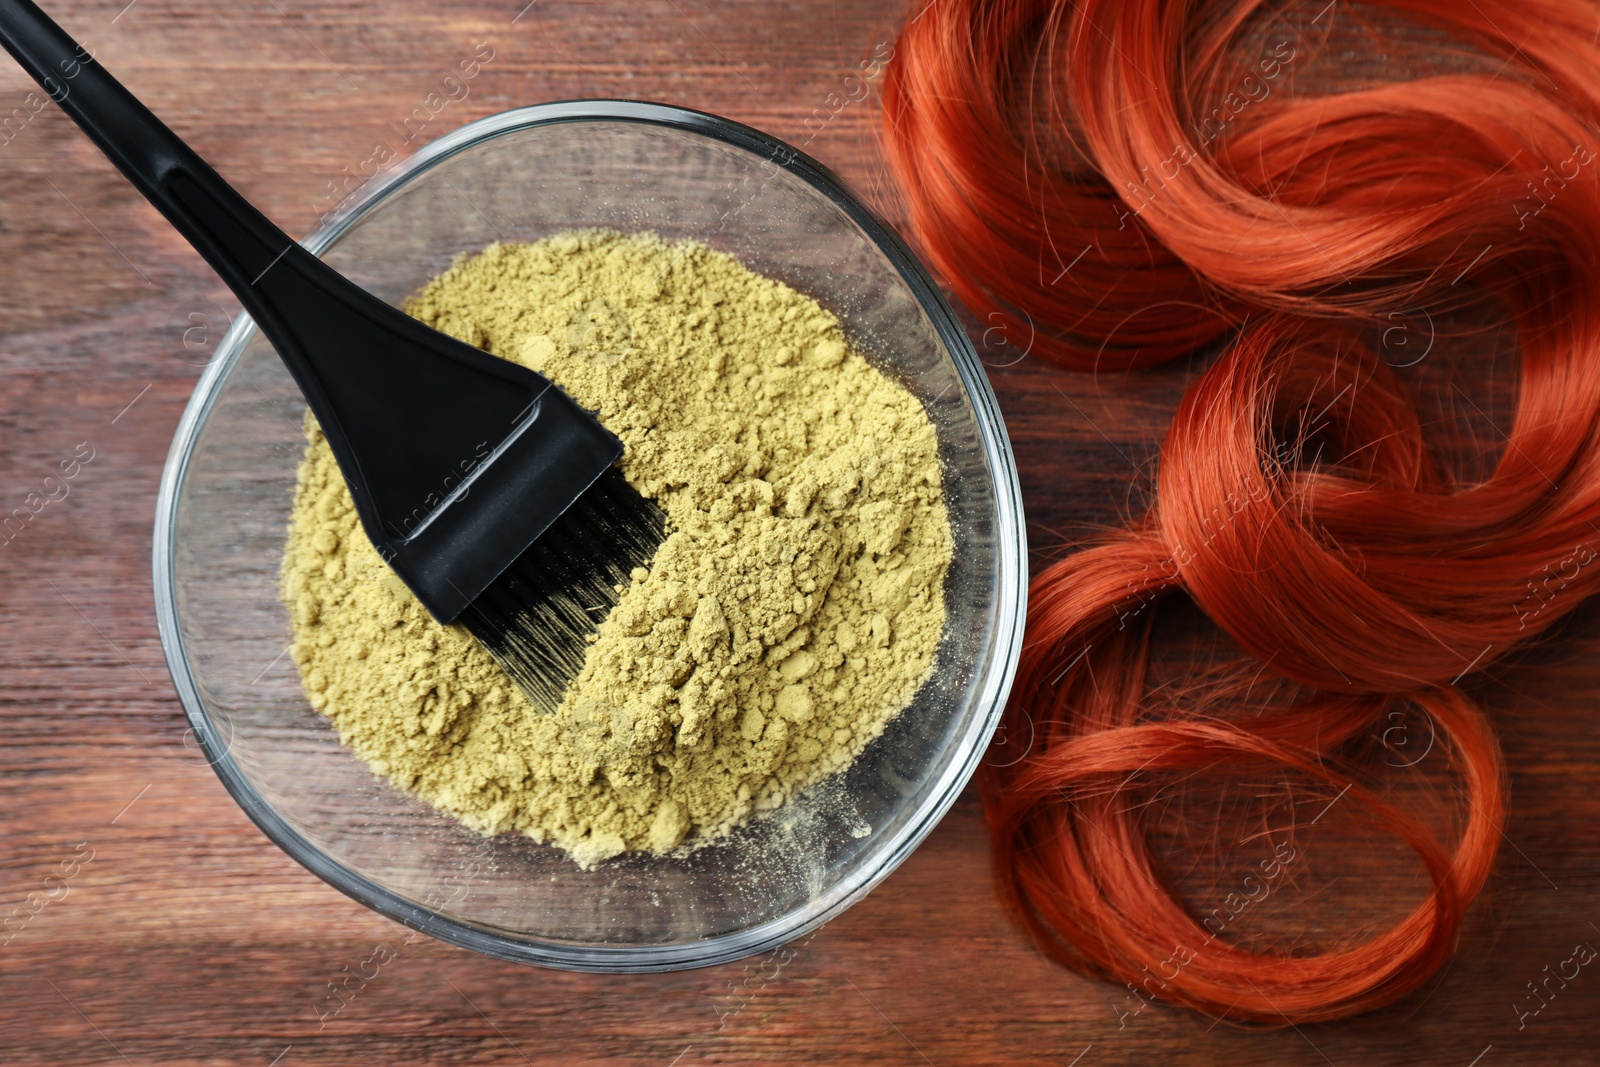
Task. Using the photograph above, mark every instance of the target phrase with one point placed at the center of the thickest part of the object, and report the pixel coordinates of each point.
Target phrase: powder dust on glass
(793, 610)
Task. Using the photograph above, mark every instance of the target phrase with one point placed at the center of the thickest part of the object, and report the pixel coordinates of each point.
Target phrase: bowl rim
(1010, 542)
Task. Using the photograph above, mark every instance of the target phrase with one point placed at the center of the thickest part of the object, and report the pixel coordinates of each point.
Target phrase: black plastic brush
(489, 492)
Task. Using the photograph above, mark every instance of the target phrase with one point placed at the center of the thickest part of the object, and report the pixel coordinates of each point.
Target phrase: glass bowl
(224, 505)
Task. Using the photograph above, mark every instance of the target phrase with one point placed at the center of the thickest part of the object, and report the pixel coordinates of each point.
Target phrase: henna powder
(794, 609)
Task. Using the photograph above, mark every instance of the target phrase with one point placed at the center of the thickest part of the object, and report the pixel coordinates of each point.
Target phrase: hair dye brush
(528, 548)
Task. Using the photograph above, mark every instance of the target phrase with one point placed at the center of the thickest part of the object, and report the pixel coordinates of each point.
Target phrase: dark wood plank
(189, 939)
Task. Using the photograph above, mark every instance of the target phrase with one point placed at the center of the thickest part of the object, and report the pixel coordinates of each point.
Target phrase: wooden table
(180, 935)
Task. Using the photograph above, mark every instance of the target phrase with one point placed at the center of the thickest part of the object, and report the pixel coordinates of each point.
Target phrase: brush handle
(238, 241)
(413, 417)
(321, 323)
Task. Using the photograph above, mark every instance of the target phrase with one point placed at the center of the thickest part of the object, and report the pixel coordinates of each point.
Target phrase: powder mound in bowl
(793, 610)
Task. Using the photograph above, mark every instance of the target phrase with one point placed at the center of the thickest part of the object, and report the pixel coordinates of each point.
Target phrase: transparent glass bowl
(224, 506)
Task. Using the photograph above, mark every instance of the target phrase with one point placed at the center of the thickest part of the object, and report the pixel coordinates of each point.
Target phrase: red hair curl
(1170, 197)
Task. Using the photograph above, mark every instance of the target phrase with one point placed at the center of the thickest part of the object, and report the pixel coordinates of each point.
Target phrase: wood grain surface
(175, 933)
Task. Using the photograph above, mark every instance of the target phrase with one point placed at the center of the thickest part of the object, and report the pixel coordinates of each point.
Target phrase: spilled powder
(793, 610)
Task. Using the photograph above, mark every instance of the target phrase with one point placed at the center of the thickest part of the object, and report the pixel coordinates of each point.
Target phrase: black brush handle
(168, 172)
(300, 303)
(412, 416)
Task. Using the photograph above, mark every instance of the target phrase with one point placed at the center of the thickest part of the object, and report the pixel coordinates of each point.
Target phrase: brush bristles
(537, 616)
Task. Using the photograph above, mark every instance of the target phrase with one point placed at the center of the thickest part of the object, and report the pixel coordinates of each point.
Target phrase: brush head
(537, 617)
